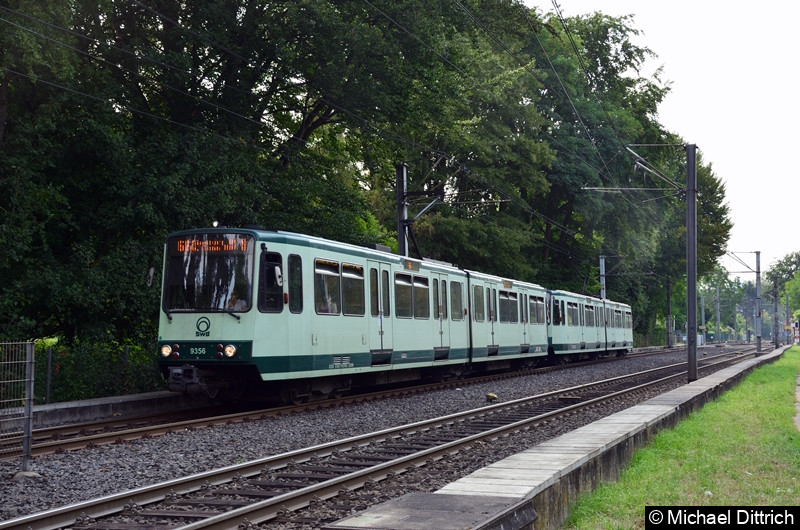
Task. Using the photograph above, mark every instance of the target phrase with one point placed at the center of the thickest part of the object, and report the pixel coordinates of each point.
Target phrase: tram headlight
(229, 351)
(166, 350)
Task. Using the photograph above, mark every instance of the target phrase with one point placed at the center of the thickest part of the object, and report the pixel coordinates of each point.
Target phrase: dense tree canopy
(125, 120)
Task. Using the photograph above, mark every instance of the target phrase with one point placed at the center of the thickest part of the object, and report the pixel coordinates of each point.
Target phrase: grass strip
(742, 449)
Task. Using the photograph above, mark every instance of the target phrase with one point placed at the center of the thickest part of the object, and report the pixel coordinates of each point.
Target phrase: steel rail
(268, 509)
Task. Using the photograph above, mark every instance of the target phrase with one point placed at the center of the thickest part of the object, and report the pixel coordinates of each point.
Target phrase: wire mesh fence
(16, 401)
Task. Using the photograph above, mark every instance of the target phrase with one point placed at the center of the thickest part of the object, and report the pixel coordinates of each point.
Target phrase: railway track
(273, 487)
(118, 430)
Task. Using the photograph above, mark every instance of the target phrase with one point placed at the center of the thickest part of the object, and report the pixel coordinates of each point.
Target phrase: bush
(93, 369)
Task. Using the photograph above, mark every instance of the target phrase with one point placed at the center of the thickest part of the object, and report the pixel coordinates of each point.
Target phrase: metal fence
(16, 401)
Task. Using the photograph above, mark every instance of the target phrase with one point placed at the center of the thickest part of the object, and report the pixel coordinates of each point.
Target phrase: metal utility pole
(775, 312)
(401, 178)
(719, 330)
(669, 314)
(758, 302)
(703, 317)
(691, 259)
(602, 277)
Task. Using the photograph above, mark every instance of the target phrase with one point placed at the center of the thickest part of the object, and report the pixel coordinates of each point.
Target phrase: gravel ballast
(60, 479)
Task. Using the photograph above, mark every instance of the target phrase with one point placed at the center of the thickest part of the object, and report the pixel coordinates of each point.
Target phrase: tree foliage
(123, 121)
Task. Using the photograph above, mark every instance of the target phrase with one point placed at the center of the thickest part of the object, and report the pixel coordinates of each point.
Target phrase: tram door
(380, 320)
(441, 319)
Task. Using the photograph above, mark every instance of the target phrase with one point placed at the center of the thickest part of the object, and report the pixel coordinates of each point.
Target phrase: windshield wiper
(231, 313)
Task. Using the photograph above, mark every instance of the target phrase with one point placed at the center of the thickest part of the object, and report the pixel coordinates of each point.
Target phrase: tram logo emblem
(203, 325)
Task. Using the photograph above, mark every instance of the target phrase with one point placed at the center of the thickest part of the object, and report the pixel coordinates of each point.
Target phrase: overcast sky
(734, 72)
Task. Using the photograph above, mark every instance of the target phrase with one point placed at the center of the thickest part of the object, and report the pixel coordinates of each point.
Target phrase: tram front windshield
(209, 272)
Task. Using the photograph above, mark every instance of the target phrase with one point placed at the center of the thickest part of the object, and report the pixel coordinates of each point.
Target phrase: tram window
(589, 310)
(491, 304)
(573, 319)
(560, 315)
(508, 307)
(436, 306)
(353, 302)
(504, 311)
(444, 299)
(373, 292)
(327, 298)
(270, 286)
(456, 304)
(477, 304)
(385, 284)
(375, 287)
(403, 296)
(295, 283)
(557, 310)
(628, 320)
(422, 301)
(537, 310)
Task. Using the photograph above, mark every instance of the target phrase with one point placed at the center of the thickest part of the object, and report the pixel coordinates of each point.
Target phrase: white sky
(734, 71)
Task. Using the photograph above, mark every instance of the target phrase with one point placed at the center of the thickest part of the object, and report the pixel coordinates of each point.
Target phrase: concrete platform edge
(552, 503)
(547, 504)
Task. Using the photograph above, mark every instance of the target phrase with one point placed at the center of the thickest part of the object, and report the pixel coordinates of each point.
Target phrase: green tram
(259, 313)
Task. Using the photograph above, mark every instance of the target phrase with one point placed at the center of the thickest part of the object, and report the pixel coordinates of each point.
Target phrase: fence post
(28, 437)
(49, 373)
(16, 400)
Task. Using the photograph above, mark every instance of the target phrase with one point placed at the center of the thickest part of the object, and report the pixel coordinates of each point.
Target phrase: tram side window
(327, 298)
(444, 299)
(628, 320)
(377, 286)
(385, 286)
(295, 283)
(508, 307)
(589, 310)
(491, 304)
(537, 310)
(477, 304)
(559, 314)
(573, 317)
(436, 304)
(373, 292)
(353, 301)
(403, 297)
(523, 308)
(422, 299)
(270, 287)
(456, 304)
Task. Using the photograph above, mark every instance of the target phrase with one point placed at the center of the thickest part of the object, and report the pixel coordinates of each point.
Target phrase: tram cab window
(270, 285)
